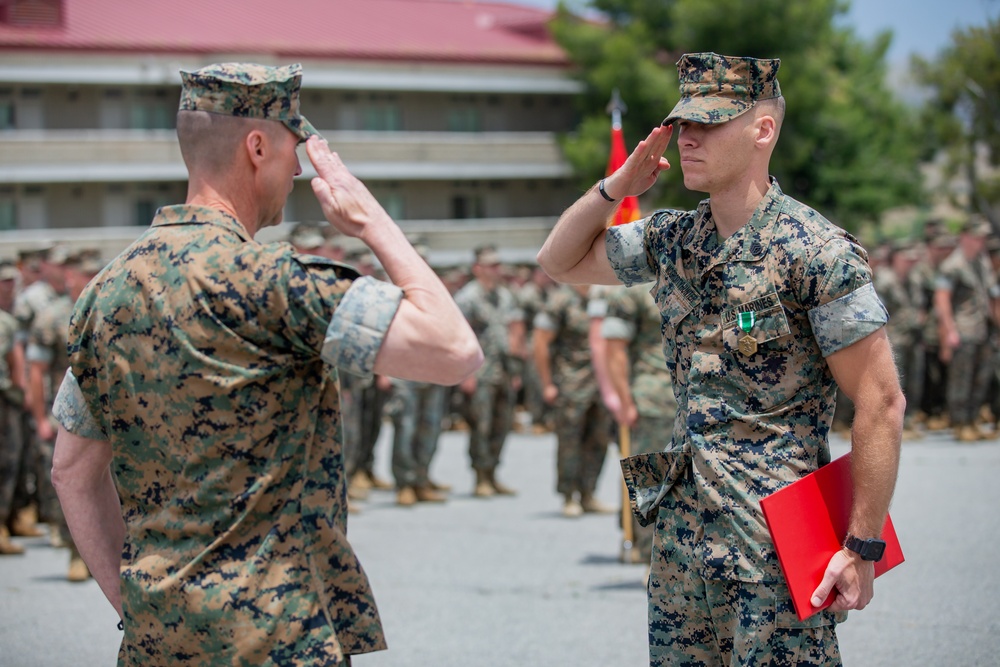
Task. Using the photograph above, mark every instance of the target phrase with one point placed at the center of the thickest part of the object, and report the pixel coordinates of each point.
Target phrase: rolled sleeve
(359, 325)
(71, 411)
(617, 329)
(626, 250)
(545, 322)
(844, 321)
(38, 353)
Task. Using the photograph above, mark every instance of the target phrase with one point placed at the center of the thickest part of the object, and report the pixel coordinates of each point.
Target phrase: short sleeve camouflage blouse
(752, 419)
(201, 356)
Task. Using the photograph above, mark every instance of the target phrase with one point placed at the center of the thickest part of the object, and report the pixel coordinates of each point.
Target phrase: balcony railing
(65, 156)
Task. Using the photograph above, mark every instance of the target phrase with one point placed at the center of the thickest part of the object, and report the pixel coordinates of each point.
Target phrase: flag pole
(626, 212)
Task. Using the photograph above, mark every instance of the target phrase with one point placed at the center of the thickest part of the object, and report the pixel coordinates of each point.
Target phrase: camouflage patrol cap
(487, 255)
(307, 236)
(87, 260)
(248, 91)
(716, 89)
(977, 225)
(8, 271)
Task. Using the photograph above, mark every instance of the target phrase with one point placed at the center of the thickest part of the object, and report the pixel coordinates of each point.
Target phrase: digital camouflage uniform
(633, 317)
(581, 420)
(11, 400)
(970, 368)
(530, 299)
(491, 408)
(34, 478)
(416, 409)
(47, 345)
(934, 398)
(202, 356)
(903, 300)
(747, 424)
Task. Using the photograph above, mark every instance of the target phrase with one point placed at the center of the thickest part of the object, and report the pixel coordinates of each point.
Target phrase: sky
(918, 26)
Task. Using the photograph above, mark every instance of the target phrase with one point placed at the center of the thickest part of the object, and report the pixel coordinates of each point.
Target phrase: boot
(8, 548)
(571, 508)
(967, 433)
(499, 488)
(406, 497)
(378, 483)
(25, 523)
(483, 487)
(359, 487)
(937, 423)
(592, 505)
(78, 570)
(438, 486)
(426, 494)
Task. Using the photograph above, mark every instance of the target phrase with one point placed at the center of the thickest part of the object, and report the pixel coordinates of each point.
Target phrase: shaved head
(209, 141)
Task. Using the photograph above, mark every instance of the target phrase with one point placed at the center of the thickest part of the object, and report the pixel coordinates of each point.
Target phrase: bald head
(209, 142)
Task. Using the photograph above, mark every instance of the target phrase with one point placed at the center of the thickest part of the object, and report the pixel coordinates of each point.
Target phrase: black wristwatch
(870, 549)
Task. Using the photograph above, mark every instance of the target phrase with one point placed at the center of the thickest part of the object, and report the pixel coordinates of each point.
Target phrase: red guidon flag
(628, 210)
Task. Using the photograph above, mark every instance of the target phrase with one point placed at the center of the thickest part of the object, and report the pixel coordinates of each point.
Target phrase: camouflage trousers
(909, 358)
(649, 434)
(11, 456)
(934, 399)
(361, 414)
(968, 379)
(416, 410)
(490, 414)
(582, 430)
(694, 621)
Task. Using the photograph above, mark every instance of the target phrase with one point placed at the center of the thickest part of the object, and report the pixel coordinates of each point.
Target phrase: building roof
(399, 30)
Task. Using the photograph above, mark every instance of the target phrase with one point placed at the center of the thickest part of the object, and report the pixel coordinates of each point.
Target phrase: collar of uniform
(185, 214)
(748, 244)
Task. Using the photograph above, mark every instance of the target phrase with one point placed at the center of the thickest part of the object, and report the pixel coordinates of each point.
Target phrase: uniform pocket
(649, 477)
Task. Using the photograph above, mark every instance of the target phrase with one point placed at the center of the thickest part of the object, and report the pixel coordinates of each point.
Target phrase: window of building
(467, 206)
(7, 117)
(465, 120)
(152, 110)
(381, 118)
(8, 212)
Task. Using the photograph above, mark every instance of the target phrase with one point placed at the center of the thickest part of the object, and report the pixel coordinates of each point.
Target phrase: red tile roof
(438, 30)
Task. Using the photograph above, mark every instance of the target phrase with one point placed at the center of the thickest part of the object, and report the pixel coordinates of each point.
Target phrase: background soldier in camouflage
(563, 359)
(47, 364)
(766, 308)
(639, 372)
(902, 297)
(530, 298)
(416, 409)
(493, 314)
(11, 402)
(199, 459)
(934, 399)
(963, 305)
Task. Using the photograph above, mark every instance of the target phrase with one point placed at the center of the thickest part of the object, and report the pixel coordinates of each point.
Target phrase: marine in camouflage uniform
(962, 303)
(530, 298)
(639, 370)
(416, 410)
(11, 401)
(934, 398)
(563, 359)
(203, 369)
(760, 306)
(903, 300)
(492, 312)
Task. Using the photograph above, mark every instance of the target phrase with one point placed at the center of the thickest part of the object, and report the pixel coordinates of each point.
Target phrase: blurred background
(478, 122)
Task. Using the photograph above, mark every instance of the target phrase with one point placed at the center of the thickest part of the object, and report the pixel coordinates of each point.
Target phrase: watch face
(873, 550)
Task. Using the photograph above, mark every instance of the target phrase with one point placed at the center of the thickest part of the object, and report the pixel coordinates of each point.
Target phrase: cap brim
(707, 110)
(301, 128)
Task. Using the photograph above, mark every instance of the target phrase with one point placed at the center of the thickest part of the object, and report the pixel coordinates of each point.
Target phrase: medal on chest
(747, 344)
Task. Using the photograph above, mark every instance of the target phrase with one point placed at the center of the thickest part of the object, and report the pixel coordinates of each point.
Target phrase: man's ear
(256, 146)
(767, 130)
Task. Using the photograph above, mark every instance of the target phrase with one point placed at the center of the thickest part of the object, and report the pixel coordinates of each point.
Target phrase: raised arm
(574, 251)
(429, 339)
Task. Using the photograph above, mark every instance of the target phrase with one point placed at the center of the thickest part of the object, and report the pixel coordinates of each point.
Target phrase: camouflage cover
(716, 89)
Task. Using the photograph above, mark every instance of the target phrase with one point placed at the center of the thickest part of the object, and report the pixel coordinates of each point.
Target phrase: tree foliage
(848, 147)
(963, 115)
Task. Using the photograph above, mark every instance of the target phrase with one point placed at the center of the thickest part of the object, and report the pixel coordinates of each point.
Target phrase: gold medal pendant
(747, 344)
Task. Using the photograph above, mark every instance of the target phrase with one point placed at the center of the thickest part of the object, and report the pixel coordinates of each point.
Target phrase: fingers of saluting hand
(648, 155)
(326, 162)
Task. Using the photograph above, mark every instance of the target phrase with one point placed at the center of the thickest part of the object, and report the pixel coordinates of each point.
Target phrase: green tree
(849, 147)
(963, 114)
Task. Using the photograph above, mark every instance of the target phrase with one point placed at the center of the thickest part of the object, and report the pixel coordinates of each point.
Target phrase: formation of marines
(541, 375)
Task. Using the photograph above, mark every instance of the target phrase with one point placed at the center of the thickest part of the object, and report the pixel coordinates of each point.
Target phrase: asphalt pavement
(509, 581)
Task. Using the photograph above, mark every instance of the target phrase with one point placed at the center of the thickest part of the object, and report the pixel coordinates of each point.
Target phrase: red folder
(808, 523)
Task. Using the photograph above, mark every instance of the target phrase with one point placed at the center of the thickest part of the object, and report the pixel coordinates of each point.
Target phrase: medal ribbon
(747, 320)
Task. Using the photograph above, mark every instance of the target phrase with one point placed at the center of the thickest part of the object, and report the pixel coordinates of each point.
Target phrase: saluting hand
(642, 167)
(347, 203)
